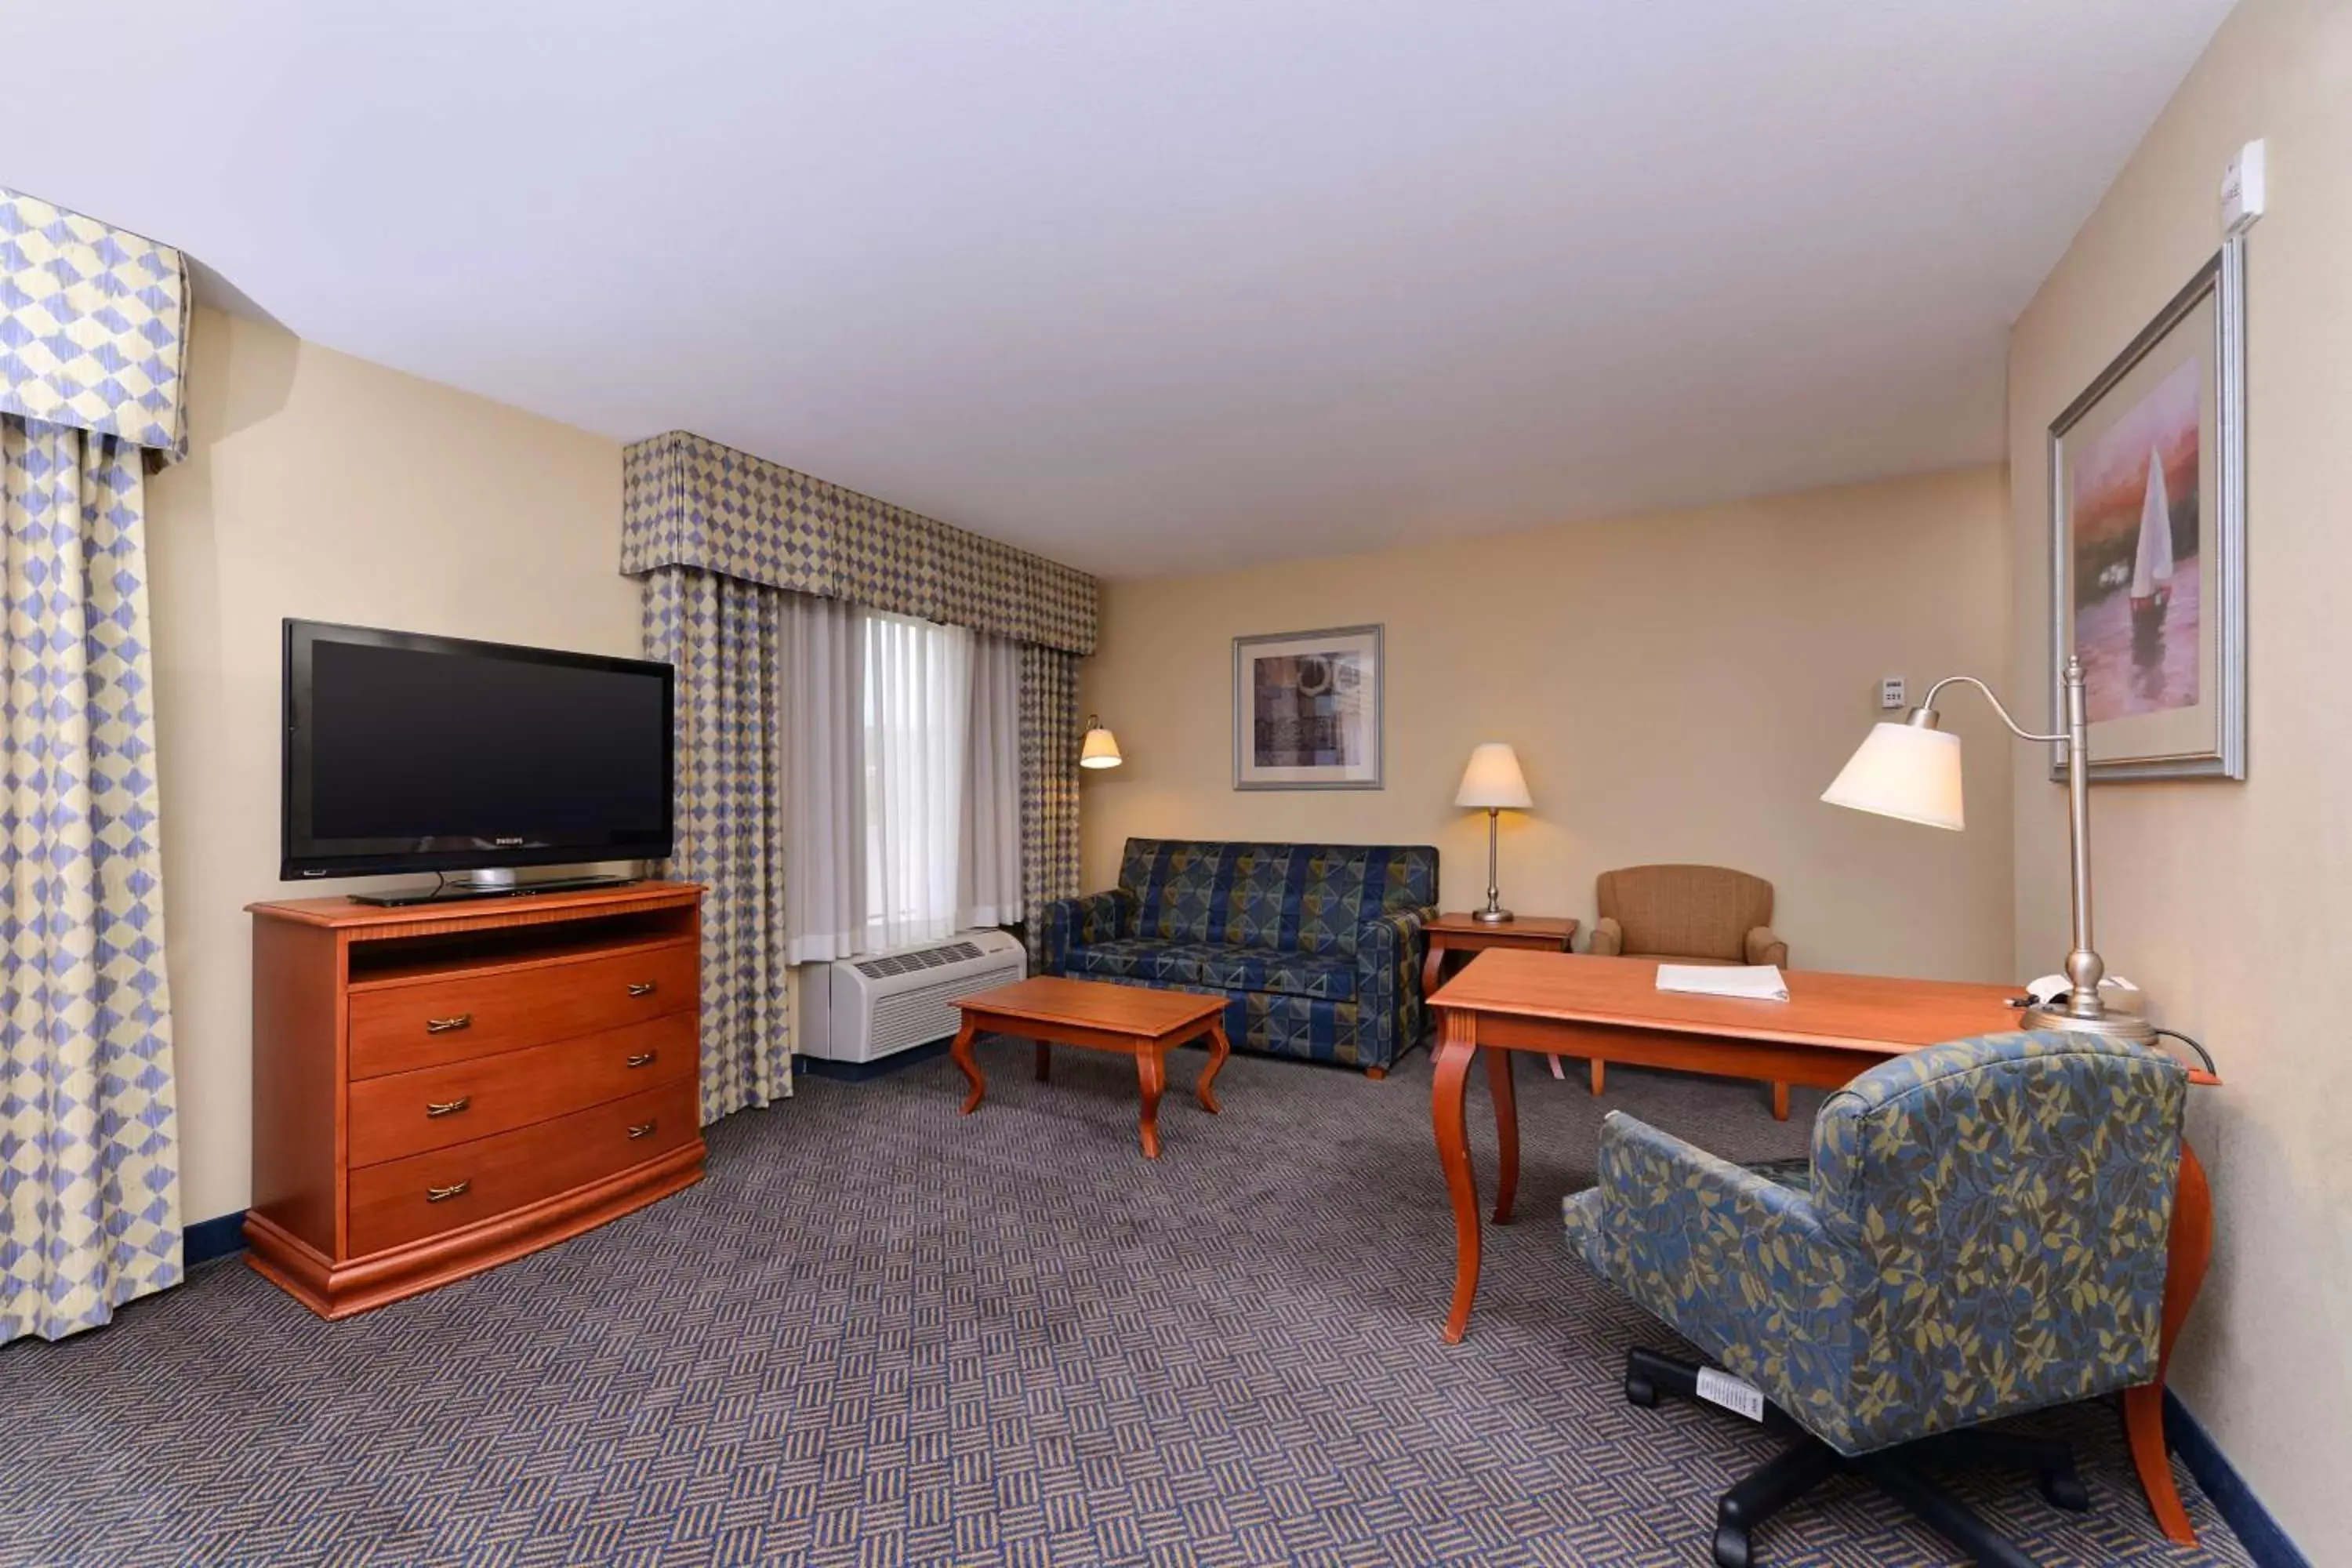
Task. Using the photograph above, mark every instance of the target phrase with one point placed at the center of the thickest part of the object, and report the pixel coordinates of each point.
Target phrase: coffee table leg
(961, 1053)
(1219, 1049)
(1506, 1131)
(1151, 1074)
(1446, 1087)
(1045, 1062)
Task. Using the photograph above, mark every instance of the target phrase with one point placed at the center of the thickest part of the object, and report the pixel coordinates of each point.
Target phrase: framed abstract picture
(1307, 710)
(2148, 541)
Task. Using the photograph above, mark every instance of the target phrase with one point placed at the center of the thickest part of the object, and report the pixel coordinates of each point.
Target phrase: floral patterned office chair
(1981, 1231)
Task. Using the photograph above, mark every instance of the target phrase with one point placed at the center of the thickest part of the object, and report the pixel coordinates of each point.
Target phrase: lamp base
(1493, 917)
(2112, 1025)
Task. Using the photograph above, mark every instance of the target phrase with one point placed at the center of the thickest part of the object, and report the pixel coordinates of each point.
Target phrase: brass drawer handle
(644, 1058)
(448, 1026)
(438, 1107)
(645, 1128)
(641, 988)
(455, 1190)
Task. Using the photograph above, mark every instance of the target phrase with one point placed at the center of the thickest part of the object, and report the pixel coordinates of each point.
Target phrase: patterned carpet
(883, 1334)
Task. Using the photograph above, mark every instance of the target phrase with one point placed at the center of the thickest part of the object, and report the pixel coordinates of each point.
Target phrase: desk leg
(2188, 1251)
(961, 1053)
(1458, 1044)
(1600, 1076)
(1506, 1130)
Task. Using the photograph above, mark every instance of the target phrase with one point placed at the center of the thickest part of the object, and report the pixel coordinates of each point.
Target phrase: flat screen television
(406, 753)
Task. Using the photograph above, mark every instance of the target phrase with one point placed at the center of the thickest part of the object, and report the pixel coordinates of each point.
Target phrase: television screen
(412, 753)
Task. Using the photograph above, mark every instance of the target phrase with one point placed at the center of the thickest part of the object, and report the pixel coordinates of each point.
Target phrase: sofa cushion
(1292, 897)
(1324, 978)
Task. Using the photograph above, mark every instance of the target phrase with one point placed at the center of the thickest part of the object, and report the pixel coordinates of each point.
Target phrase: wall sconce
(1101, 747)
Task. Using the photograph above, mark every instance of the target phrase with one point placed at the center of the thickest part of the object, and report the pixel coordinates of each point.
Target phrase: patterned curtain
(727, 638)
(93, 322)
(1049, 782)
(89, 1136)
(717, 535)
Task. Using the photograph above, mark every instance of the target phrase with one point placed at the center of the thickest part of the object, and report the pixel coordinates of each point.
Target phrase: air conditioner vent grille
(928, 1012)
(917, 958)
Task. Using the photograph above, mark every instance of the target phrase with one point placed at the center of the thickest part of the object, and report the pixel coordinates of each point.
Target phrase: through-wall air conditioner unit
(861, 1009)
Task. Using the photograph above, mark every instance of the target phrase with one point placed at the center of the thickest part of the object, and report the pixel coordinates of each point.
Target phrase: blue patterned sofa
(1316, 946)
(1981, 1231)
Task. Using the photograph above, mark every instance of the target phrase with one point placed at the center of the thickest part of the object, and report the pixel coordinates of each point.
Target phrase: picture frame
(1307, 710)
(2148, 541)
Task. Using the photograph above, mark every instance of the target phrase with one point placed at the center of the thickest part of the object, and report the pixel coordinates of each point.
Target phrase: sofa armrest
(1736, 1263)
(1607, 937)
(1071, 924)
(1763, 947)
(1389, 949)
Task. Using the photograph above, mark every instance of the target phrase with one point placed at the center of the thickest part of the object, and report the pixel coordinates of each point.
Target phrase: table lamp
(1100, 748)
(1494, 783)
(1912, 770)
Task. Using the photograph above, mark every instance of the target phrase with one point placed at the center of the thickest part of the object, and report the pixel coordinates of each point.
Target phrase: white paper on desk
(1752, 982)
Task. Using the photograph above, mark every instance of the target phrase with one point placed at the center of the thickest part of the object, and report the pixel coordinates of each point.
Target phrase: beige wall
(1679, 686)
(323, 486)
(2232, 902)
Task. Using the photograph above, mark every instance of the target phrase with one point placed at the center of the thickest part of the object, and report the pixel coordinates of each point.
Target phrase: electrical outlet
(1890, 692)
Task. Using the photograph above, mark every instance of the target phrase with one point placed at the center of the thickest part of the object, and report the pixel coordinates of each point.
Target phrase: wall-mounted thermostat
(1890, 693)
(2244, 189)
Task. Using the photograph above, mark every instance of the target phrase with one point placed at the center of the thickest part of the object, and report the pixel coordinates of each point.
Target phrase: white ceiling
(1149, 287)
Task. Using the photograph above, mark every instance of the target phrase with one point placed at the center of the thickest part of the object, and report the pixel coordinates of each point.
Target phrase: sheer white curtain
(917, 718)
(988, 876)
(825, 779)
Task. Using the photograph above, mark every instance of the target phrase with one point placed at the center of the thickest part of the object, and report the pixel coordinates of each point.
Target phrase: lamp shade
(1493, 780)
(1100, 749)
(1903, 771)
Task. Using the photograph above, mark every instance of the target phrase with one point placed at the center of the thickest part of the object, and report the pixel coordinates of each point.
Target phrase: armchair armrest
(1067, 925)
(1389, 949)
(1607, 937)
(1737, 1264)
(1763, 947)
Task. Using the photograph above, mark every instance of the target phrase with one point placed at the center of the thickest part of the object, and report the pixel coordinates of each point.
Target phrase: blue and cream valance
(93, 326)
(689, 501)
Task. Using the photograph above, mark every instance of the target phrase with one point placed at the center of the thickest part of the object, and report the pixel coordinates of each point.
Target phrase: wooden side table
(1460, 933)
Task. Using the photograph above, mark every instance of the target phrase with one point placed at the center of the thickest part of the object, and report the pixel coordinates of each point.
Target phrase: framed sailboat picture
(2148, 570)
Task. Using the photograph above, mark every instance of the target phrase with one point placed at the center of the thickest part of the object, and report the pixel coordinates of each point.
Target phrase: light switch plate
(1890, 693)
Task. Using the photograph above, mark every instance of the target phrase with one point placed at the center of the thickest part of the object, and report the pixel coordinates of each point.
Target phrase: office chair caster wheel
(1639, 1391)
(2064, 1489)
(1731, 1547)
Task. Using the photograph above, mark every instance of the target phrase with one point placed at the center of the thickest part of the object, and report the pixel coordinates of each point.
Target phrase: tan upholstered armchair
(1687, 914)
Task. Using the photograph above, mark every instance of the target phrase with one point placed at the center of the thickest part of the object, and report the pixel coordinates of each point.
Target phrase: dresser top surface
(341, 913)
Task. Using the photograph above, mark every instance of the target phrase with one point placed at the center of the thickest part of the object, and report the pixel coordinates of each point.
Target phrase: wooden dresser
(439, 1087)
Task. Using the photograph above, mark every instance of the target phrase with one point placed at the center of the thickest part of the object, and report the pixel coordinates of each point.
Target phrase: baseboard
(863, 1073)
(208, 1239)
(2234, 1500)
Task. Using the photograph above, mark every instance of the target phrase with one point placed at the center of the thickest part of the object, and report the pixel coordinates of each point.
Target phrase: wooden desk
(1831, 1028)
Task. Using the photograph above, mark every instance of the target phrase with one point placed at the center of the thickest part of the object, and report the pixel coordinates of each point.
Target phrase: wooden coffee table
(1100, 1017)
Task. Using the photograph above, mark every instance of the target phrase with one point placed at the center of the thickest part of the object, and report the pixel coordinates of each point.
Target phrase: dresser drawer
(398, 1028)
(405, 1113)
(404, 1200)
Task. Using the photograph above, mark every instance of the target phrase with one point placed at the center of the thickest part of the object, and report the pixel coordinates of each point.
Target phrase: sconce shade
(1903, 771)
(1100, 749)
(1493, 780)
